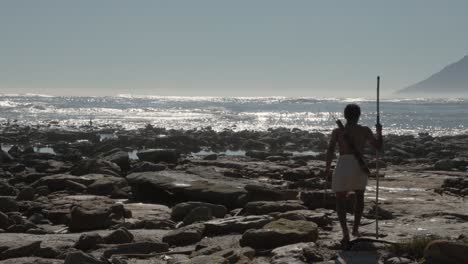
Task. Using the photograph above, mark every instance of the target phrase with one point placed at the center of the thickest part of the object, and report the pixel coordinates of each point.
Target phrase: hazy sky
(226, 48)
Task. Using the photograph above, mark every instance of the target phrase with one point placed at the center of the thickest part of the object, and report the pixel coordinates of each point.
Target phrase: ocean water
(434, 116)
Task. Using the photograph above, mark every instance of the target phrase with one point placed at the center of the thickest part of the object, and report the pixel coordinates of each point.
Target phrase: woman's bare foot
(345, 241)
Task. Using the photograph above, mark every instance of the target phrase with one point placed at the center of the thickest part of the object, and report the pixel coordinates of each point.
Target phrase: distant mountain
(450, 81)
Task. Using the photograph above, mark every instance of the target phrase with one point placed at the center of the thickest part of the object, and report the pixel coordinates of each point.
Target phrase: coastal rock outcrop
(176, 186)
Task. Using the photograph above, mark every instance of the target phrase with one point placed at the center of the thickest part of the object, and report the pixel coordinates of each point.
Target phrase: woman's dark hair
(352, 112)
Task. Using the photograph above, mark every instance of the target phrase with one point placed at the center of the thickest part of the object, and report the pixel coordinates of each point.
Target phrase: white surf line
(372, 188)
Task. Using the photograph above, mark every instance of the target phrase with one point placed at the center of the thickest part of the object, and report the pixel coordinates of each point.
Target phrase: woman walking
(349, 174)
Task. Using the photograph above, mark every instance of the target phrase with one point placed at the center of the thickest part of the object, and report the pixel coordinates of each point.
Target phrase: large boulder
(199, 214)
(456, 185)
(82, 219)
(119, 236)
(159, 155)
(8, 204)
(266, 207)
(442, 251)
(6, 189)
(118, 157)
(88, 241)
(279, 233)
(106, 185)
(26, 194)
(176, 186)
(24, 250)
(444, 165)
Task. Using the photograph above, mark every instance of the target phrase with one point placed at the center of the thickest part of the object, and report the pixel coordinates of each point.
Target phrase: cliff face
(452, 80)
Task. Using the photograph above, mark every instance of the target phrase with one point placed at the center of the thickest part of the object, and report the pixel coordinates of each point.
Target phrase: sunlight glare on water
(434, 116)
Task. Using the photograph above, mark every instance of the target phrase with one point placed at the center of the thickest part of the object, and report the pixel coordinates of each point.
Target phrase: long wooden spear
(377, 166)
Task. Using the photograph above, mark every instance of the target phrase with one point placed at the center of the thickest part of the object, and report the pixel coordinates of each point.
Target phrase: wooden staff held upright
(377, 166)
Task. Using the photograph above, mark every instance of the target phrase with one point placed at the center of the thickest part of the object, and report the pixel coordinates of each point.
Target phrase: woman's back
(357, 133)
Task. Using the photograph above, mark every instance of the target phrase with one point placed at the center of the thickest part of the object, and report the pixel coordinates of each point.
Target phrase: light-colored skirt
(348, 175)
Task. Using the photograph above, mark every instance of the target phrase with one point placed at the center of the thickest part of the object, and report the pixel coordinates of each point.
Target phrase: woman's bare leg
(341, 211)
(358, 209)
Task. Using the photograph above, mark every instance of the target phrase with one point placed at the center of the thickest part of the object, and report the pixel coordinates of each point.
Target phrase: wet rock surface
(145, 197)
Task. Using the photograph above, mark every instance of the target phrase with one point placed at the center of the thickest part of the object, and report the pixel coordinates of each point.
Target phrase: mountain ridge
(452, 79)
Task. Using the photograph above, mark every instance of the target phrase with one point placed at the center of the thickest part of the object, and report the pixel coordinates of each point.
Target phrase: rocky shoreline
(155, 195)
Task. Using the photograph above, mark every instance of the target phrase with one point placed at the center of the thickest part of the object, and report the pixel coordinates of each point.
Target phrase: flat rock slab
(58, 182)
(149, 211)
(79, 257)
(208, 259)
(59, 205)
(31, 260)
(236, 224)
(186, 235)
(266, 207)
(137, 248)
(279, 233)
(69, 239)
(322, 217)
(61, 181)
(173, 186)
